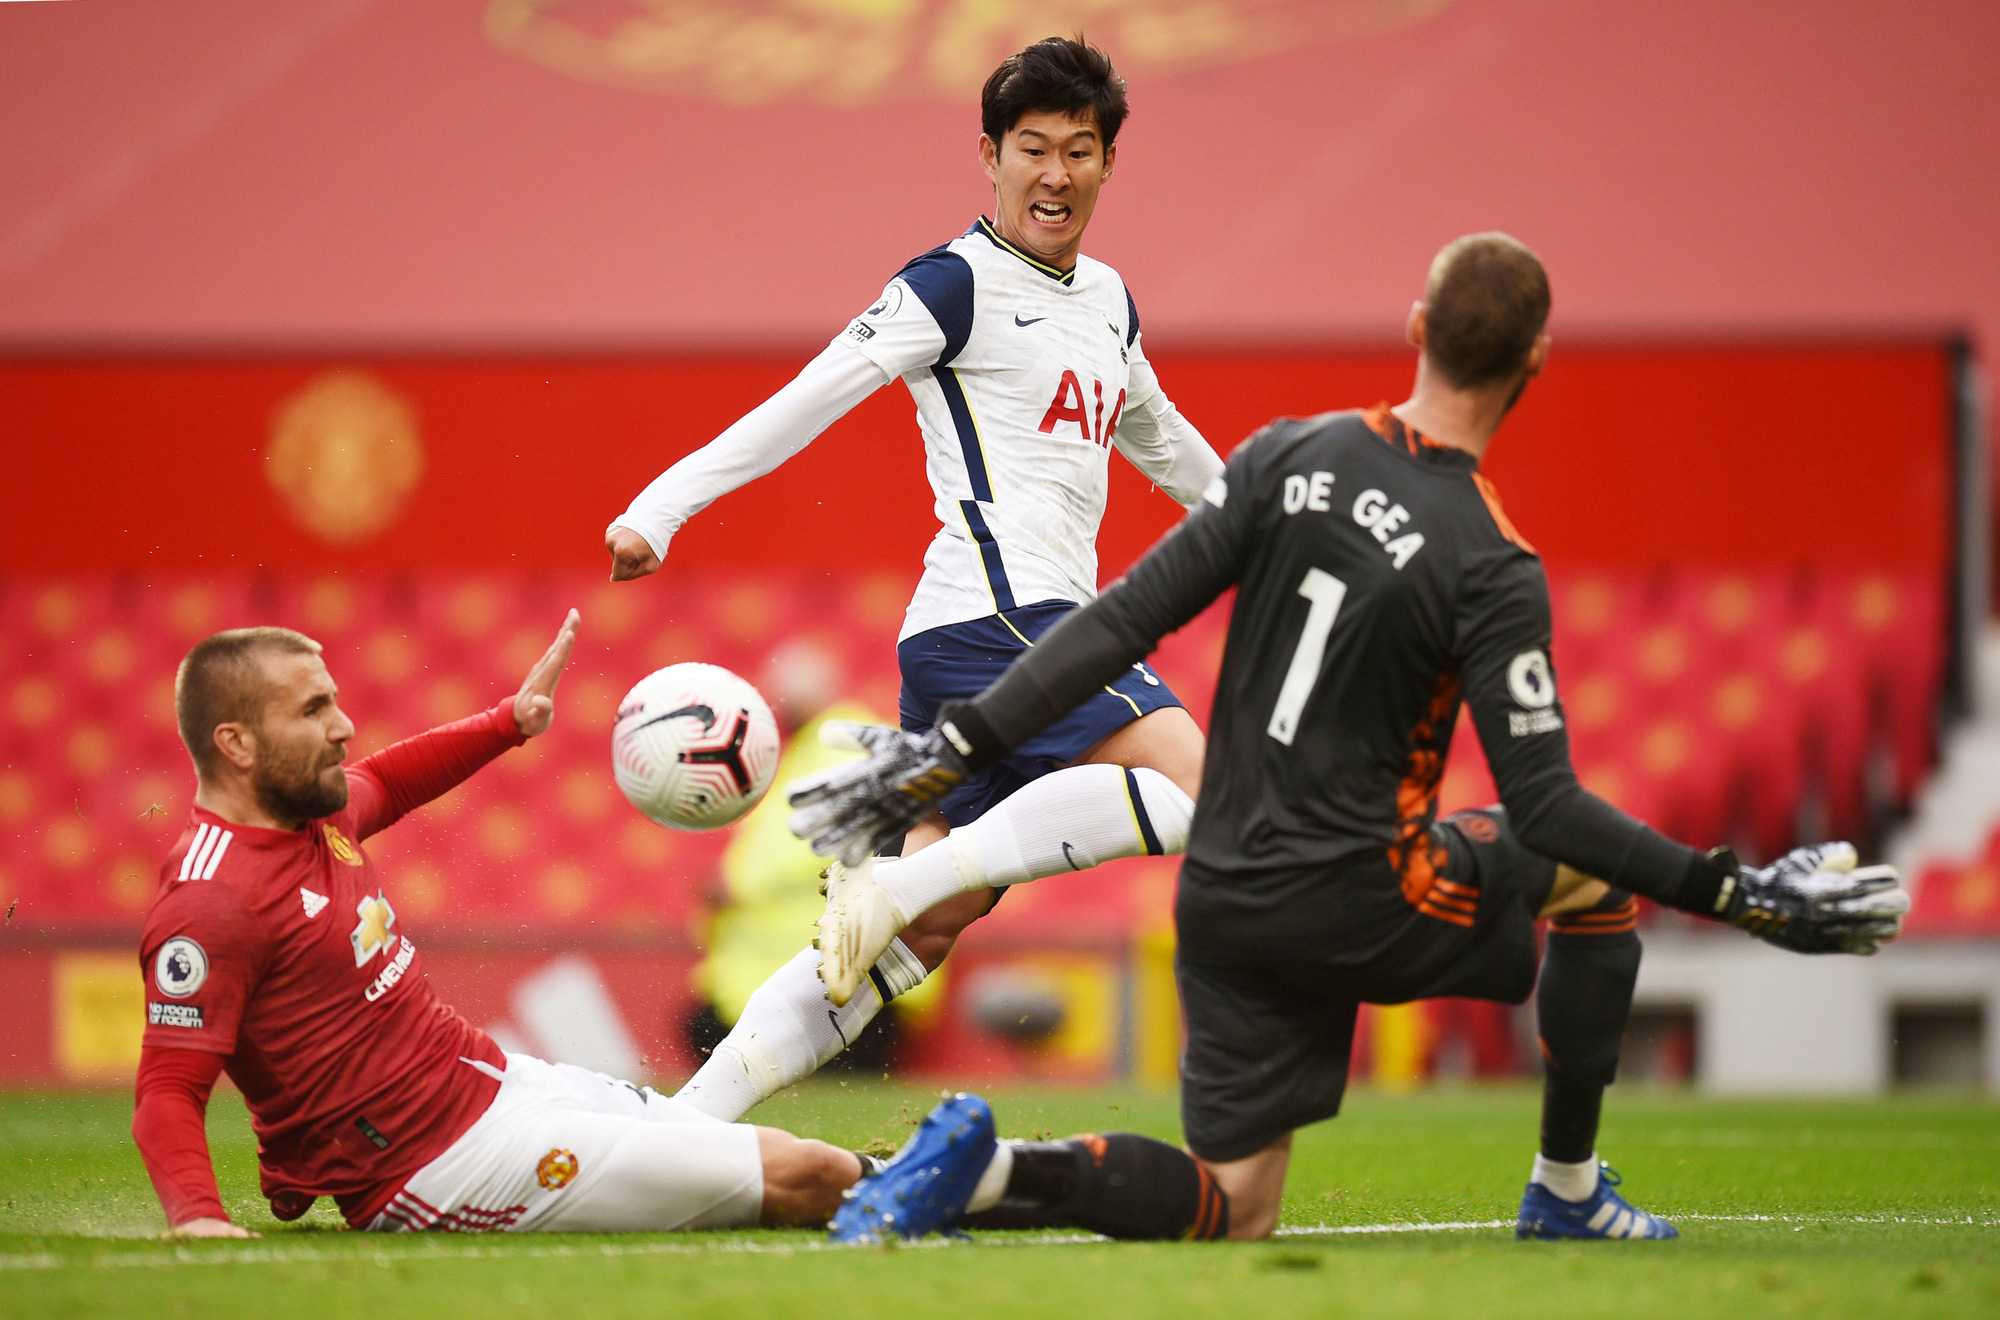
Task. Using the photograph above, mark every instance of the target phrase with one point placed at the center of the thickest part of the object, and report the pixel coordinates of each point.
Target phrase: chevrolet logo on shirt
(371, 933)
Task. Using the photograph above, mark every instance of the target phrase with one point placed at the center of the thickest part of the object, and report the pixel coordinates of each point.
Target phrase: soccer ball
(694, 746)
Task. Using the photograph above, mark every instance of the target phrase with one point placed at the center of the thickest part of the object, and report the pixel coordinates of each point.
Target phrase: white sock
(1572, 1182)
(992, 1183)
(1070, 820)
(788, 1030)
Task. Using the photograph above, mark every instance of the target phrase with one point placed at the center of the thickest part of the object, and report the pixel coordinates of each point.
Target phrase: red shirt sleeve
(168, 1123)
(202, 955)
(385, 787)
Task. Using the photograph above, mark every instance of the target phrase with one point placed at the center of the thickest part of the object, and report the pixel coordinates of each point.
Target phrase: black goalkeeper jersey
(1380, 586)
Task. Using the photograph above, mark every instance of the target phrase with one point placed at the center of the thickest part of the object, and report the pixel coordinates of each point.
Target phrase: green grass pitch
(1876, 1209)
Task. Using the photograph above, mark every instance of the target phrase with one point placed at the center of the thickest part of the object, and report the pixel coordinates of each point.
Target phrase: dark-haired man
(1027, 366)
(1379, 585)
(273, 951)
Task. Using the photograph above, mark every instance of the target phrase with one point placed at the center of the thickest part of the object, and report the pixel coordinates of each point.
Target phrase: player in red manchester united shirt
(273, 951)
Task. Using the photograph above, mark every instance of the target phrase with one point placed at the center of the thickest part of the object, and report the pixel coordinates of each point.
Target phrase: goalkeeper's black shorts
(1270, 1028)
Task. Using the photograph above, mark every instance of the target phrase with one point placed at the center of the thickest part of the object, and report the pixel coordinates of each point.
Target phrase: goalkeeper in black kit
(1380, 585)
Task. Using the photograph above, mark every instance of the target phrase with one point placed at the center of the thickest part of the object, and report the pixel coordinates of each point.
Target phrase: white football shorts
(563, 1149)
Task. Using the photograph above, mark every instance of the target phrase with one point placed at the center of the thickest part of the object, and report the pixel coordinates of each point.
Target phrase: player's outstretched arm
(398, 779)
(921, 320)
(1813, 900)
(764, 438)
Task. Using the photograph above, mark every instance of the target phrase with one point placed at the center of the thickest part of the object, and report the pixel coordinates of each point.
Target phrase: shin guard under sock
(1121, 1185)
(1582, 1003)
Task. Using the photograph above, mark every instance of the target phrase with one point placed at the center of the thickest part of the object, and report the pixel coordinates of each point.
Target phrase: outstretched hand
(631, 556)
(852, 809)
(1818, 899)
(535, 703)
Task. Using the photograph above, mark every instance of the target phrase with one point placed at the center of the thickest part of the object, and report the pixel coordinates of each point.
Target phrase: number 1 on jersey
(1326, 592)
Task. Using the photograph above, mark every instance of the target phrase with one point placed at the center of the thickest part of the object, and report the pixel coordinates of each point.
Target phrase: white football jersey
(1025, 377)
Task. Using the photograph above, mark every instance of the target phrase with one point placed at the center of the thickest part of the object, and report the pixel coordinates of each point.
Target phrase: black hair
(1063, 75)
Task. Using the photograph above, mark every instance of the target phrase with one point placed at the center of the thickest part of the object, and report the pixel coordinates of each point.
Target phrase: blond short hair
(222, 681)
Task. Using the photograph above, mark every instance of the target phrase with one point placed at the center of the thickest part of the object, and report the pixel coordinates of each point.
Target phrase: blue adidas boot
(1604, 1214)
(925, 1187)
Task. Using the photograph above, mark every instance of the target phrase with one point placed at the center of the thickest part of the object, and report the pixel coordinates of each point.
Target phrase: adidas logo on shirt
(315, 903)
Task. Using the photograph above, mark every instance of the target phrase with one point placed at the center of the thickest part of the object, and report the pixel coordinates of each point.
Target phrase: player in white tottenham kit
(1027, 366)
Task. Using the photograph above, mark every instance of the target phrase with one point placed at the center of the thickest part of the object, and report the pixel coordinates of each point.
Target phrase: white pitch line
(1966, 1222)
(1341, 1230)
(1466, 1225)
(182, 1254)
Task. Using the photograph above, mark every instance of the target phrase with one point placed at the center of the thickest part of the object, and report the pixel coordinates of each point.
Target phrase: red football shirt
(282, 951)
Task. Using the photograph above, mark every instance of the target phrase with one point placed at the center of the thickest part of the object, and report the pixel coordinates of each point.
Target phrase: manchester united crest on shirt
(341, 846)
(556, 1169)
(371, 932)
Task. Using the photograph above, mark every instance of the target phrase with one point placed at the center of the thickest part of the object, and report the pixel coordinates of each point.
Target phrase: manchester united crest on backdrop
(344, 456)
(848, 52)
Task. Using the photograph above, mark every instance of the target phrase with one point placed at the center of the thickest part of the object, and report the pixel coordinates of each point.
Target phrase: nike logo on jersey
(1030, 321)
(314, 903)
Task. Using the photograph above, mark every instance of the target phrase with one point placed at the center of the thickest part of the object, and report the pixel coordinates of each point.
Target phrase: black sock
(1121, 1185)
(1569, 1120)
(1039, 1184)
(1582, 1003)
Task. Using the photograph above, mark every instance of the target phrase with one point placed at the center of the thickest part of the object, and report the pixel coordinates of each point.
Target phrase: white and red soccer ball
(694, 747)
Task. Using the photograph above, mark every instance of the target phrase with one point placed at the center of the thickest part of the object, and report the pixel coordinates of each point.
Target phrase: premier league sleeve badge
(180, 968)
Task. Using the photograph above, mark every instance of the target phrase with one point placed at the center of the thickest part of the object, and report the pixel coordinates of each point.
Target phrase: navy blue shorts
(960, 660)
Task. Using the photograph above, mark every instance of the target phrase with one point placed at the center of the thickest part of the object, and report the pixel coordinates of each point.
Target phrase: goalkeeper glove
(1812, 900)
(853, 809)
